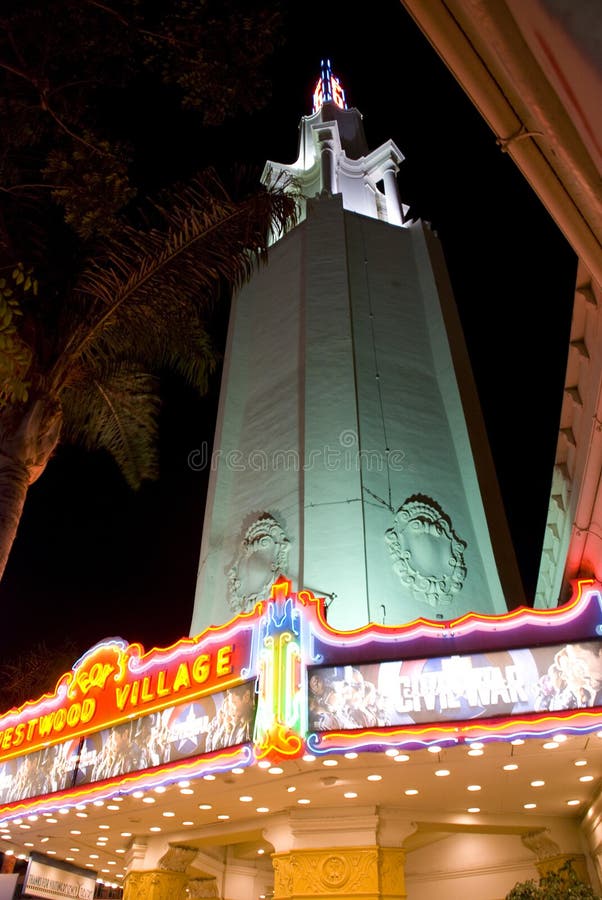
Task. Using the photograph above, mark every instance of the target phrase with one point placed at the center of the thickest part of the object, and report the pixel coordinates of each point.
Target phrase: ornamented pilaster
(156, 885)
(371, 873)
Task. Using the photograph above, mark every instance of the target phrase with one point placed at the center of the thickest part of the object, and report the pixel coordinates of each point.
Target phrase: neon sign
(328, 89)
(258, 688)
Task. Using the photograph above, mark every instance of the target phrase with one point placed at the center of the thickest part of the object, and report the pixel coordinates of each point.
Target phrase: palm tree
(138, 307)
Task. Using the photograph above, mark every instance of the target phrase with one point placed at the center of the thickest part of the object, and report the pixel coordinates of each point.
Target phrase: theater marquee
(279, 681)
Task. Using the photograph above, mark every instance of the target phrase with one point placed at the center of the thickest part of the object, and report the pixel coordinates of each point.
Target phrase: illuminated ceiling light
(117, 799)
(434, 749)
(473, 809)
(120, 850)
(538, 783)
(32, 818)
(303, 801)
(510, 767)
(187, 822)
(291, 789)
(401, 757)
(441, 773)
(205, 806)
(209, 777)
(475, 752)
(74, 849)
(550, 745)
(308, 757)
(351, 755)
(275, 770)
(97, 803)
(599, 734)
(260, 852)
(104, 827)
(94, 856)
(262, 809)
(374, 778)
(90, 865)
(410, 792)
(161, 789)
(476, 745)
(28, 844)
(392, 751)
(44, 840)
(330, 762)
(154, 828)
(64, 811)
(580, 762)
(473, 787)
(49, 852)
(223, 817)
(138, 795)
(530, 806)
(183, 784)
(186, 790)
(264, 764)
(573, 802)
(586, 778)
(70, 859)
(18, 821)
(238, 771)
(350, 795)
(148, 800)
(50, 821)
(75, 831)
(169, 815)
(517, 742)
(79, 816)
(246, 798)
(24, 826)
(126, 834)
(112, 807)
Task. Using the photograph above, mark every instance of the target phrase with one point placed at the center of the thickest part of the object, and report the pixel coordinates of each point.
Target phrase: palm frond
(117, 412)
(150, 278)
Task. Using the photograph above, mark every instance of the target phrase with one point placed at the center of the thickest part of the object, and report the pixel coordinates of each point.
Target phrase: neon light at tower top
(328, 88)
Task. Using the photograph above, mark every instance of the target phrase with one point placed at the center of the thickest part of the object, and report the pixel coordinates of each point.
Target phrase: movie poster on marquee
(210, 723)
(43, 772)
(456, 688)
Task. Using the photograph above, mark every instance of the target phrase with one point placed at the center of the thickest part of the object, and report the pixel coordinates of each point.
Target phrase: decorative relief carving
(283, 876)
(392, 872)
(201, 887)
(177, 858)
(334, 871)
(428, 556)
(326, 873)
(155, 886)
(263, 555)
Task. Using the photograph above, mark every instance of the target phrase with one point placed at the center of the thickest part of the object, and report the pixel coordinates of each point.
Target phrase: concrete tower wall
(339, 404)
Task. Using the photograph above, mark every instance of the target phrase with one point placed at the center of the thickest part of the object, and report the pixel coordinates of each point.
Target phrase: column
(361, 858)
(166, 880)
(394, 211)
(156, 885)
(369, 873)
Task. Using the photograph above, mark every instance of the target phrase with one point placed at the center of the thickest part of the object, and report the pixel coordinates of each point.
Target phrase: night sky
(93, 559)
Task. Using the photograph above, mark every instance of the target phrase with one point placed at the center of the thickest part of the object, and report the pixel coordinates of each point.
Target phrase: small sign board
(56, 879)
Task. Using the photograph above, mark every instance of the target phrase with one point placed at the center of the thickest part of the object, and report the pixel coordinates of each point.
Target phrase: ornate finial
(328, 88)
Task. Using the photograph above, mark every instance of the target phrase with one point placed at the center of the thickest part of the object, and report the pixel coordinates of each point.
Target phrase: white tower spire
(334, 157)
